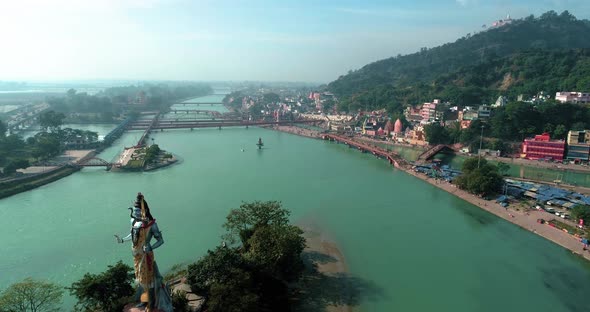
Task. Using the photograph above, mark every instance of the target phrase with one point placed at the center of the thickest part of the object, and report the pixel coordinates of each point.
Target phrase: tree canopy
(31, 296)
(106, 291)
(479, 177)
(255, 271)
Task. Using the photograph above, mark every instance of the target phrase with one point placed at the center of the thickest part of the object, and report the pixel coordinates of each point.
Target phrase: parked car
(550, 210)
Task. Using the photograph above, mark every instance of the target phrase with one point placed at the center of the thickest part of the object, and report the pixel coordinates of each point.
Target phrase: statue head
(142, 205)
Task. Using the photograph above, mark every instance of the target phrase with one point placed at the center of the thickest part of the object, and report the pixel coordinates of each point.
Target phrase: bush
(108, 291)
(179, 301)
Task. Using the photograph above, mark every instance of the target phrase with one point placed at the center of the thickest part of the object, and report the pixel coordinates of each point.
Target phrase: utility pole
(479, 151)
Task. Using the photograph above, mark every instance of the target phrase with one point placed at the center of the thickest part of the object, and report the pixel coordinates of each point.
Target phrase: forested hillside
(476, 68)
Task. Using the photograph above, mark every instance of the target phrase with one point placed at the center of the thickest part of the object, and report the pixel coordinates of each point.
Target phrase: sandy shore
(325, 269)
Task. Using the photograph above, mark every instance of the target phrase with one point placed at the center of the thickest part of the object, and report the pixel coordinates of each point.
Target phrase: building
(140, 98)
(542, 147)
(397, 128)
(484, 111)
(501, 101)
(573, 97)
(466, 116)
(428, 111)
(578, 145)
(500, 23)
(373, 127)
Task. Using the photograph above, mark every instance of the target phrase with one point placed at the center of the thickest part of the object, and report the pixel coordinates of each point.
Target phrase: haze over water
(409, 245)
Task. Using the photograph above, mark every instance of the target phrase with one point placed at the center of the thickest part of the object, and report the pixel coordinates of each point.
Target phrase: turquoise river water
(408, 245)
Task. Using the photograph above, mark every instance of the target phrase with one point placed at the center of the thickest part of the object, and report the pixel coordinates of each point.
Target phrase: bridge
(146, 133)
(429, 153)
(94, 162)
(196, 111)
(198, 103)
(199, 123)
(394, 159)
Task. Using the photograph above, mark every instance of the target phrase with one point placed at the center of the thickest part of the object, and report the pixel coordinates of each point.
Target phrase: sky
(220, 40)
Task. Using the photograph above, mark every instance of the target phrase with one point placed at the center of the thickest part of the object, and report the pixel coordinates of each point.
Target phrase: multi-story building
(573, 97)
(542, 147)
(578, 145)
(428, 111)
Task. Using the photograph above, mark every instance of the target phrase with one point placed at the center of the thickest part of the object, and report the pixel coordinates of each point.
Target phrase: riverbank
(526, 220)
(297, 131)
(29, 183)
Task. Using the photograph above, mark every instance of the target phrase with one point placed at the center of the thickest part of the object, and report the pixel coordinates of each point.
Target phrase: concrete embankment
(21, 185)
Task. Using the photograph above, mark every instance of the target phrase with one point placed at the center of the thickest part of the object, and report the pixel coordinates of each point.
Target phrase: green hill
(529, 55)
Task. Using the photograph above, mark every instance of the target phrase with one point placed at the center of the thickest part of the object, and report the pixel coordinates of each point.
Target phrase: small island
(145, 158)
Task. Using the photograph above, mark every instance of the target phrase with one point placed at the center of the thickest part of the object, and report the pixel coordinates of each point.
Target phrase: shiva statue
(152, 293)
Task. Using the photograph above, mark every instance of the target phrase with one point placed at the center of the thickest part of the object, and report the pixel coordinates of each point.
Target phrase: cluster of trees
(479, 177)
(16, 153)
(530, 55)
(253, 271)
(151, 153)
(108, 291)
(112, 101)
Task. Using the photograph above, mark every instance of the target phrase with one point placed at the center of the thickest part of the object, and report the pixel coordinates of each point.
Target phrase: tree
(240, 288)
(243, 222)
(12, 165)
(581, 212)
(3, 129)
(255, 274)
(479, 177)
(436, 134)
(215, 266)
(51, 120)
(269, 98)
(276, 249)
(106, 291)
(503, 168)
(31, 295)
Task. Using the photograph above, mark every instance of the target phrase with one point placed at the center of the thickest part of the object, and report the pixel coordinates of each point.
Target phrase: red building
(542, 147)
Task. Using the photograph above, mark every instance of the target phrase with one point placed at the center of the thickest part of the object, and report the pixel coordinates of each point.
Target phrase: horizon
(258, 41)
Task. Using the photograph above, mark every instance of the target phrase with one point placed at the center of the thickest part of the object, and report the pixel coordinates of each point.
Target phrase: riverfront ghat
(402, 239)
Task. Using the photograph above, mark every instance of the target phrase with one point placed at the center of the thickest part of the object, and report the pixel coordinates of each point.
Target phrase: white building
(573, 97)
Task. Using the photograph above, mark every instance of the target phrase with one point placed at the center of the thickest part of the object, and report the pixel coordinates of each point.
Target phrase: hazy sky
(290, 40)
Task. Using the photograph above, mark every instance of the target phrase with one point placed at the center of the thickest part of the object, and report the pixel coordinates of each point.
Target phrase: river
(409, 245)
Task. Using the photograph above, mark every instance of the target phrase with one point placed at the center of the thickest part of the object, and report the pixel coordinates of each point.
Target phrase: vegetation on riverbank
(479, 177)
(263, 256)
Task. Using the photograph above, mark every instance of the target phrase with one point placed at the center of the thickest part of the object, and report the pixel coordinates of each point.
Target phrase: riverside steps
(394, 159)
